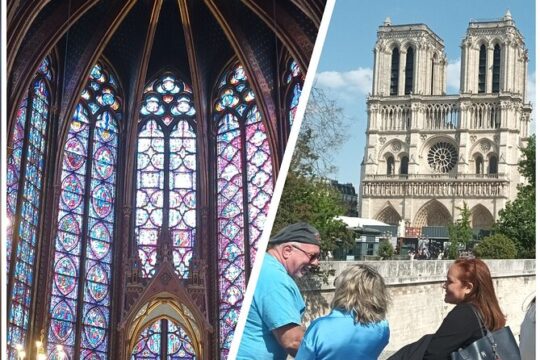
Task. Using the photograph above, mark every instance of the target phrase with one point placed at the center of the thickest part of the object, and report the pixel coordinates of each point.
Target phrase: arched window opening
(80, 297)
(479, 165)
(166, 174)
(482, 70)
(496, 69)
(294, 81)
(394, 72)
(433, 76)
(390, 165)
(404, 166)
(163, 339)
(25, 180)
(244, 188)
(493, 165)
(409, 65)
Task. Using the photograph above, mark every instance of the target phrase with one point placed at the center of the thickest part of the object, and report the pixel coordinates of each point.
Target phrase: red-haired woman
(468, 285)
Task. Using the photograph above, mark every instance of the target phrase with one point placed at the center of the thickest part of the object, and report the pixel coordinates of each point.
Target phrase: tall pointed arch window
(80, 298)
(25, 181)
(294, 81)
(394, 72)
(166, 174)
(495, 87)
(482, 70)
(409, 71)
(244, 188)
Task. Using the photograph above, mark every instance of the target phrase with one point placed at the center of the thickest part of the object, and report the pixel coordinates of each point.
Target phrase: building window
(442, 157)
(163, 339)
(479, 165)
(81, 290)
(244, 185)
(482, 70)
(394, 72)
(25, 171)
(390, 165)
(294, 80)
(409, 70)
(496, 69)
(493, 164)
(166, 174)
(404, 166)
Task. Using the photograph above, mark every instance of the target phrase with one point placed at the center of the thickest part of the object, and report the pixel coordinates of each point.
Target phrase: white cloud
(453, 75)
(531, 96)
(348, 85)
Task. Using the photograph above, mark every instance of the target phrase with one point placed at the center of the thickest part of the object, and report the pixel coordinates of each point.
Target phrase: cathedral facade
(427, 153)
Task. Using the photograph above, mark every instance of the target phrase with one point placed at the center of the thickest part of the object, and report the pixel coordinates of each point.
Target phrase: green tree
(518, 219)
(305, 196)
(460, 232)
(496, 246)
(386, 250)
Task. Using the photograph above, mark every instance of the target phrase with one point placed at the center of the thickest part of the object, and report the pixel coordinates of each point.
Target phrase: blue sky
(345, 67)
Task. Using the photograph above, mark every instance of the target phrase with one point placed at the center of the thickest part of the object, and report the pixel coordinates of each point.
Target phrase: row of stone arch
(434, 213)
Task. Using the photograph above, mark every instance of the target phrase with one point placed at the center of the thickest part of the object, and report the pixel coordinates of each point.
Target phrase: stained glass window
(80, 296)
(294, 80)
(244, 190)
(163, 339)
(166, 173)
(25, 169)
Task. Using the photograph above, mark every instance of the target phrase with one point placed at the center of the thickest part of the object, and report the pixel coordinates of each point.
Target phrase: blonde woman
(356, 328)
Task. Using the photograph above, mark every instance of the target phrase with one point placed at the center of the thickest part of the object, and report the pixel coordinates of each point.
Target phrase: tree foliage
(518, 219)
(386, 250)
(496, 246)
(460, 232)
(305, 196)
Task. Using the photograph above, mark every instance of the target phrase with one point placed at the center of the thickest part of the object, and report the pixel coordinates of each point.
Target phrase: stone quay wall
(415, 286)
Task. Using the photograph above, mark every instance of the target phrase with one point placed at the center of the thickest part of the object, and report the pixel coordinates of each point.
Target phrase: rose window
(442, 157)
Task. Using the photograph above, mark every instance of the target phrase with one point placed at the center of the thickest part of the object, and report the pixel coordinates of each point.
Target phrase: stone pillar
(402, 62)
(489, 69)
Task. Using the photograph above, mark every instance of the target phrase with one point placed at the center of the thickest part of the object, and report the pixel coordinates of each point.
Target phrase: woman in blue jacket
(356, 328)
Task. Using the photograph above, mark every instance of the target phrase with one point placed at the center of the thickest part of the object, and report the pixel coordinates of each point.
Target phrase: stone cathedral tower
(428, 152)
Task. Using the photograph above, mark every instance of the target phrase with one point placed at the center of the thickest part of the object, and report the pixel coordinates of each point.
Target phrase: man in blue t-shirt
(274, 328)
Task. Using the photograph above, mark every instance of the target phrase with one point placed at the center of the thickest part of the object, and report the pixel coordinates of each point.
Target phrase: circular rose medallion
(104, 162)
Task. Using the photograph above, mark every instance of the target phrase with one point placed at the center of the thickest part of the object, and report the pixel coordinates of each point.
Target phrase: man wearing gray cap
(274, 328)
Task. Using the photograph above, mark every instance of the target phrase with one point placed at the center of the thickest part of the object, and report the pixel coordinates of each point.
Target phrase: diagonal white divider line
(291, 143)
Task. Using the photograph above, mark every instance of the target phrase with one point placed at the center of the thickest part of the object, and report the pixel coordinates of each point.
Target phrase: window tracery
(244, 189)
(80, 301)
(25, 171)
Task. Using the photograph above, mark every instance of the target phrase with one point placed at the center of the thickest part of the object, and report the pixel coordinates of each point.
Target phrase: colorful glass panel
(294, 80)
(25, 171)
(244, 176)
(83, 244)
(165, 333)
(166, 173)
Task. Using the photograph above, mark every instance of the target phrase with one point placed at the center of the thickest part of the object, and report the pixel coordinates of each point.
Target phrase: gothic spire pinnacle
(387, 21)
(507, 15)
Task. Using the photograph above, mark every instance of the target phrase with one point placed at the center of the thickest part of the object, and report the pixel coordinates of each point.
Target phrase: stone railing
(481, 112)
(435, 187)
(417, 297)
(445, 176)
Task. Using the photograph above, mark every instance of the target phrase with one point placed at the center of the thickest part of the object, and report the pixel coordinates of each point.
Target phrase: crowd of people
(356, 327)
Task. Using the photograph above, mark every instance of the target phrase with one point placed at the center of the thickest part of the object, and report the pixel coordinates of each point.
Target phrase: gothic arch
(482, 146)
(432, 213)
(394, 147)
(435, 139)
(482, 217)
(389, 215)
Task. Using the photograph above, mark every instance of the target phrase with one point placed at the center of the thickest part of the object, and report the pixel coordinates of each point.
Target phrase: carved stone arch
(168, 297)
(432, 213)
(480, 147)
(389, 215)
(394, 147)
(481, 41)
(496, 40)
(435, 139)
(481, 217)
(409, 43)
(393, 44)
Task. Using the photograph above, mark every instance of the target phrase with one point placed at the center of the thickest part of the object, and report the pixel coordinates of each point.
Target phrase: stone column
(489, 69)
(402, 63)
